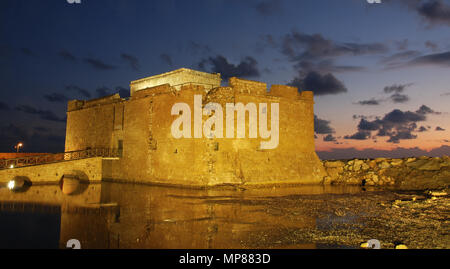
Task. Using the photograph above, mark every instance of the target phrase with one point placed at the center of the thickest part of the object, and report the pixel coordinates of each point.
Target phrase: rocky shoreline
(402, 174)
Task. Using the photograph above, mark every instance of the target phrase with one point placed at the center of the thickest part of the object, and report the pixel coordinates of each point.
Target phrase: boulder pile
(406, 174)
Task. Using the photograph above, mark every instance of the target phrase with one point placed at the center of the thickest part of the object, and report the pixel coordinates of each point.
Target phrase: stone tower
(141, 127)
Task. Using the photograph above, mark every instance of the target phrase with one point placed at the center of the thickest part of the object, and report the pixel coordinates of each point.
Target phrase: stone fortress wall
(141, 127)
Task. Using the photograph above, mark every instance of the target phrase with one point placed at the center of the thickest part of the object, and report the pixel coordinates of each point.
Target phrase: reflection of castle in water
(114, 215)
(159, 217)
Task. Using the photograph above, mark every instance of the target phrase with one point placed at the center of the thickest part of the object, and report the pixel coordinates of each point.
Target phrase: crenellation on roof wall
(177, 79)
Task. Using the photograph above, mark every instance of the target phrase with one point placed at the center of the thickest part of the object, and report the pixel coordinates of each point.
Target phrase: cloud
(397, 116)
(4, 106)
(326, 66)
(34, 140)
(436, 12)
(365, 125)
(396, 97)
(360, 135)
(123, 92)
(329, 138)
(396, 88)
(300, 46)
(10, 135)
(399, 98)
(131, 60)
(269, 7)
(426, 110)
(319, 84)
(103, 91)
(402, 44)
(43, 114)
(399, 152)
(56, 98)
(438, 128)
(322, 126)
(393, 59)
(98, 64)
(441, 59)
(195, 48)
(269, 41)
(431, 45)
(66, 55)
(362, 117)
(396, 125)
(371, 102)
(79, 90)
(405, 134)
(166, 58)
(422, 129)
(445, 94)
(246, 68)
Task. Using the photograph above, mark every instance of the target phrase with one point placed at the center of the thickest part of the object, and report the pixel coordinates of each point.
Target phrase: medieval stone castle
(140, 127)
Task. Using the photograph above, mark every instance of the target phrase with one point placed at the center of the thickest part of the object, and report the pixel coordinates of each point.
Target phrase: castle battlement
(177, 79)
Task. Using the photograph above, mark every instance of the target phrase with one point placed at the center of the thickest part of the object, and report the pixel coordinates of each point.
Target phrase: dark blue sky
(380, 72)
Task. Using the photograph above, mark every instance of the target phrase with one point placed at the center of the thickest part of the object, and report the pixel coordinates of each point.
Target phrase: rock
(437, 193)
(431, 165)
(373, 164)
(365, 167)
(334, 164)
(401, 246)
(334, 172)
(339, 212)
(384, 165)
(396, 162)
(375, 178)
(350, 162)
(357, 165)
(444, 164)
(379, 160)
(327, 180)
(415, 164)
(445, 159)
(410, 160)
(424, 158)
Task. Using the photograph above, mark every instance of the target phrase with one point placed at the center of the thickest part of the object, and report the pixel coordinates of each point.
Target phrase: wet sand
(347, 220)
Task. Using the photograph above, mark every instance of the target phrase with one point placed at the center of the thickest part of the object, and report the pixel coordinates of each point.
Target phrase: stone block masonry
(141, 127)
(88, 169)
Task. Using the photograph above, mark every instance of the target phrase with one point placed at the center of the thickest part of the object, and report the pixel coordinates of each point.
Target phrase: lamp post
(18, 146)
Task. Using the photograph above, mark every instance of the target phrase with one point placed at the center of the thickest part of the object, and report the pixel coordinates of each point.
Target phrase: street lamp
(18, 146)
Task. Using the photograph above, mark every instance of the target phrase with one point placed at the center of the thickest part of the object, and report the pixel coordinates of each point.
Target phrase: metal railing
(59, 157)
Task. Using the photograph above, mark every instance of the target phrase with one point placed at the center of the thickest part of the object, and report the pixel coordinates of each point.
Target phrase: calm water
(113, 215)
